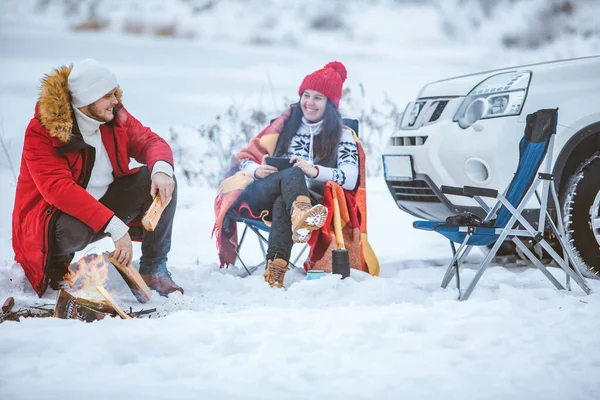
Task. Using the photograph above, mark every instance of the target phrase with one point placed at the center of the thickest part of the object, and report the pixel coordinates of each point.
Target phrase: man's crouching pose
(75, 185)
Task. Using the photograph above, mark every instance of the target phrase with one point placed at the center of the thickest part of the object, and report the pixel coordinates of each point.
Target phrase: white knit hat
(89, 80)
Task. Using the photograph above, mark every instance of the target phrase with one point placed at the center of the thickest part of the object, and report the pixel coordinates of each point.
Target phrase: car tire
(580, 205)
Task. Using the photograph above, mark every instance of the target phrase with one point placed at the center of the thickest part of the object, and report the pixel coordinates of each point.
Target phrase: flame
(90, 271)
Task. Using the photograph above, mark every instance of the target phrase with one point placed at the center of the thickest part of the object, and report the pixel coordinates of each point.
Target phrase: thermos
(340, 263)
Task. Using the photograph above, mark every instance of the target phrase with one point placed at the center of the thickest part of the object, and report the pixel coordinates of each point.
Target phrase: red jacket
(56, 166)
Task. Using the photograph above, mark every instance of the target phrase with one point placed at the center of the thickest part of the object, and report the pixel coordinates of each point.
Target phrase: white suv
(465, 131)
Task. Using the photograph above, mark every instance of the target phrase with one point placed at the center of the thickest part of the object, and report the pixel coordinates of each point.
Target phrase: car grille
(417, 190)
(438, 110)
(422, 112)
(408, 140)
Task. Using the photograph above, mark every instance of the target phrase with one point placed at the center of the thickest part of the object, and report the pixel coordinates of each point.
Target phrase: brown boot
(162, 283)
(275, 272)
(306, 218)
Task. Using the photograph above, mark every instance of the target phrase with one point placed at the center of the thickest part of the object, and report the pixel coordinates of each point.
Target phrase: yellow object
(337, 225)
(369, 254)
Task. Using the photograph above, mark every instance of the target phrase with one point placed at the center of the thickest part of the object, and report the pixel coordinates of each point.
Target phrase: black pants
(276, 193)
(128, 197)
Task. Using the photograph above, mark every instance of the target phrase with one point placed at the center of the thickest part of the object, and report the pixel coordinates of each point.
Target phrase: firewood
(110, 300)
(150, 219)
(8, 305)
(133, 279)
(69, 307)
(101, 305)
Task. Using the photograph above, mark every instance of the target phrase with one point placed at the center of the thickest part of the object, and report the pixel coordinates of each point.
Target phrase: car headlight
(498, 96)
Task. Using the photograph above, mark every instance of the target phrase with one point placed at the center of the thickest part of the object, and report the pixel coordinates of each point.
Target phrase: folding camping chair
(258, 227)
(505, 220)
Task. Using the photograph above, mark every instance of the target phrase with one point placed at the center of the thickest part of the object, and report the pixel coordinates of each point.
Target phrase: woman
(319, 148)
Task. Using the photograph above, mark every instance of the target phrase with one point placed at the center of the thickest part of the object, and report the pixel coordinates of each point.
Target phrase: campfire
(87, 278)
(89, 275)
(91, 272)
(69, 307)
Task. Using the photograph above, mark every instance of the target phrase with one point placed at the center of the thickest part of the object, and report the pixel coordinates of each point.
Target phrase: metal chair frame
(567, 262)
(257, 226)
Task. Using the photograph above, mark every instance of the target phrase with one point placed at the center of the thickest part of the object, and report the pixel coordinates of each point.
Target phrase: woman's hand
(265, 169)
(308, 169)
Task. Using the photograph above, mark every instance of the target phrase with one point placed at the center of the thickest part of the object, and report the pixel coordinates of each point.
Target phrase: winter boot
(306, 218)
(275, 272)
(161, 282)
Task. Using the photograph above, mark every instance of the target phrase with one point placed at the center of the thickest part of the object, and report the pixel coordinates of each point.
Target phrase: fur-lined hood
(54, 105)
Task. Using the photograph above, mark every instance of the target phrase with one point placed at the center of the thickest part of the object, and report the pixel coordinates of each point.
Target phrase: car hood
(462, 85)
(453, 87)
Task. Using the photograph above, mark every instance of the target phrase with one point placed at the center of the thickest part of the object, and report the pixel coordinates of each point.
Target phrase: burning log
(150, 219)
(70, 307)
(134, 280)
(110, 300)
(98, 305)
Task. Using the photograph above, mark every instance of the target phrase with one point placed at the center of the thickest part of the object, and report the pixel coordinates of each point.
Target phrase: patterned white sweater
(346, 173)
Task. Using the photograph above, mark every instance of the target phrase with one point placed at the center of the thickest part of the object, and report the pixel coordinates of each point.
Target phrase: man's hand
(124, 250)
(164, 185)
(305, 166)
(265, 169)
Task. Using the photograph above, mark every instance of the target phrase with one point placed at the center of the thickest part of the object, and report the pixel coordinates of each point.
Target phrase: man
(75, 185)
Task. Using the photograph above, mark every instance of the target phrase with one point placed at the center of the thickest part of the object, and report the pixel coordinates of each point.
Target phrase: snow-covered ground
(396, 336)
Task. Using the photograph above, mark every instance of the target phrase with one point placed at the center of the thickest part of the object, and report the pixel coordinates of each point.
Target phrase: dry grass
(93, 24)
(165, 31)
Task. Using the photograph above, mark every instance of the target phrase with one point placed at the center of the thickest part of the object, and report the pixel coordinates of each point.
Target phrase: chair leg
(239, 247)
(300, 254)
(562, 230)
(484, 264)
(243, 264)
(456, 268)
(574, 273)
(261, 239)
(455, 263)
(537, 263)
(564, 264)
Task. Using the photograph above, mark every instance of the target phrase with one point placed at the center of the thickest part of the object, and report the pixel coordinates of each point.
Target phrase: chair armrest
(454, 190)
(477, 191)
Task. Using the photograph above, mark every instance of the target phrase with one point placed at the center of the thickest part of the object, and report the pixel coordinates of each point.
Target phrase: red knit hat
(328, 81)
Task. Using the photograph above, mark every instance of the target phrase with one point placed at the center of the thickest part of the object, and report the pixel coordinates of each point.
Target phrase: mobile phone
(280, 163)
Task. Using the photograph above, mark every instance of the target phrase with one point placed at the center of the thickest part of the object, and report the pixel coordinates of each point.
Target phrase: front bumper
(443, 154)
(422, 199)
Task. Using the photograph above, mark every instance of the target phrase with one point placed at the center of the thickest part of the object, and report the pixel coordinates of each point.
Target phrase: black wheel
(581, 213)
